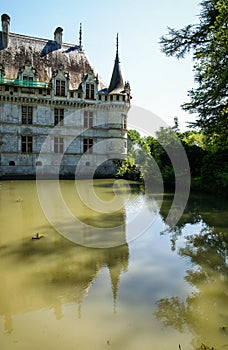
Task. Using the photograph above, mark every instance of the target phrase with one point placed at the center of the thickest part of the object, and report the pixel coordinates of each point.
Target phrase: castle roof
(45, 56)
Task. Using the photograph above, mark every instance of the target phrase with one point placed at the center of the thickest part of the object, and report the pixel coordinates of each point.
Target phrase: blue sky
(159, 84)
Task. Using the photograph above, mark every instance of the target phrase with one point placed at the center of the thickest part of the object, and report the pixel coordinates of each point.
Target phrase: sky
(159, 84)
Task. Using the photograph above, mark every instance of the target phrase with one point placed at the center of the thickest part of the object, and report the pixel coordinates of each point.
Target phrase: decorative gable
(89, 86)
(60, 82)
(27, 73)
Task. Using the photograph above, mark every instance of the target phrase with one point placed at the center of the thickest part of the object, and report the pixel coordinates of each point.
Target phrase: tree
(208, 41)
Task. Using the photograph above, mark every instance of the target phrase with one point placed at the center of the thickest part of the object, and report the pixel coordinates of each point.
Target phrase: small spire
(117, 45)
(116, 80)
(80, 36)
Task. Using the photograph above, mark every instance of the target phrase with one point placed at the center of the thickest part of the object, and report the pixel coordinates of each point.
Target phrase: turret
(116, 82)
(5, 30)
(58, 35)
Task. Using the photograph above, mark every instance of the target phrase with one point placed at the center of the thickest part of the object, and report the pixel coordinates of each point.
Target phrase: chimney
(5, 30)
(58, 35)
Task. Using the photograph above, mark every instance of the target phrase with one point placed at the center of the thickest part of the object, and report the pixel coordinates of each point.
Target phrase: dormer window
(27, 74)
(60, 88)
(26, 78)
(90, 91)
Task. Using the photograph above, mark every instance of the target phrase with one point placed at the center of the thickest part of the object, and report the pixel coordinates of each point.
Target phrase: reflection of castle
(52, 272)
(50, 275)
(46, 84)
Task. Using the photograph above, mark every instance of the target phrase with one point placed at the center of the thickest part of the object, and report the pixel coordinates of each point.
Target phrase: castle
(56, 114)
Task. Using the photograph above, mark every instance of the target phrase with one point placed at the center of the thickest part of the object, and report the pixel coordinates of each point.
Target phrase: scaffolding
(24, 83)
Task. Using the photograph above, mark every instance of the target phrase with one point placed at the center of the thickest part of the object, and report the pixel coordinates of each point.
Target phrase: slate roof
(45, 56)
(116, 84)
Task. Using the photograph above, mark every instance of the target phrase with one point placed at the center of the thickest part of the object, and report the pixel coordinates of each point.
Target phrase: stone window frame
(90, 91)
(26, 144)
(58, 144)
(59, 116)
(28, 78)
(88, 143)
(60, 87)
(26, 114)
(124, 121)
(88, 119)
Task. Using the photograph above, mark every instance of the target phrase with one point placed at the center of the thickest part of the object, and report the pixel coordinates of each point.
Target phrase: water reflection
(166, 288)
(204, 312)
(49, 274)
(93, 213)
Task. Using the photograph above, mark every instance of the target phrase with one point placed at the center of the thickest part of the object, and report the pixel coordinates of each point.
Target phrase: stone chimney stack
(58, 35)
(5, 30)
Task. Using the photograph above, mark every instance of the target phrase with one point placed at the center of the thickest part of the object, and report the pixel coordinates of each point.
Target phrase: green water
(155, 287)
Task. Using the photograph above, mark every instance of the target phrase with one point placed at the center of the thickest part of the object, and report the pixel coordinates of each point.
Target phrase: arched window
(11, 163)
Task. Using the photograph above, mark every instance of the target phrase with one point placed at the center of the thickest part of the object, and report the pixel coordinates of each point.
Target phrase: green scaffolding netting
(17, 82)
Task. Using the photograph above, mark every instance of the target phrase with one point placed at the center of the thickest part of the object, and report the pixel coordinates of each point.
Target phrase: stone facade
(57, 117)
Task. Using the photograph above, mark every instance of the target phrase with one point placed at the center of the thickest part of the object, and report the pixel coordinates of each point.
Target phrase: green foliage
(166, 141)
(208, 41)
(195, 148)
(139, 164)
(149, 159)
(134, 136)
(129, 169)
(214, 174)
(193, 138)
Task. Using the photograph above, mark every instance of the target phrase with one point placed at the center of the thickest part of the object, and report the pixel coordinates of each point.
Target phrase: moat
(130, 283)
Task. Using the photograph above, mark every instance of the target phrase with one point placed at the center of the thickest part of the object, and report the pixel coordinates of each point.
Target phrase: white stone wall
(107, 133)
